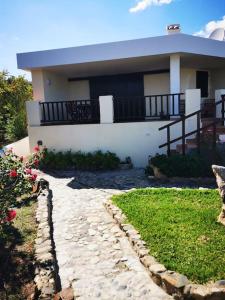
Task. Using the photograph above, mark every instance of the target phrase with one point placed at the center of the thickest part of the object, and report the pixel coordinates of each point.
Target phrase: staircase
(207, 131)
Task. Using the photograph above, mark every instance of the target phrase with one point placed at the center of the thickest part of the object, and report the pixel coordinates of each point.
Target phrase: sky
(31, 25)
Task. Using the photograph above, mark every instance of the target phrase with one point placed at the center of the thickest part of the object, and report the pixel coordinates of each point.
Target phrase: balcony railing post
(183, 136)
(168, 141)
(106, 109)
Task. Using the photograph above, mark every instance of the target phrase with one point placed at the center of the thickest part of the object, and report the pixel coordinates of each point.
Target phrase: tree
(14, 91)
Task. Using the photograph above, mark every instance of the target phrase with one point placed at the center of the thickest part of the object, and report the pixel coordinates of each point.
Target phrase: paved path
(94, 256)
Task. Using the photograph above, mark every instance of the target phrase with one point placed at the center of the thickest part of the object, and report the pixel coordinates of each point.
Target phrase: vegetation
(16, 179)
(80, 161)
(180, 229)
(17, 224)
(14, 91)
(178, 165)
(17, 254)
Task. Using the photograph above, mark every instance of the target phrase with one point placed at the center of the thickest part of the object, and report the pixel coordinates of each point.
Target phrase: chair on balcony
(78, 111)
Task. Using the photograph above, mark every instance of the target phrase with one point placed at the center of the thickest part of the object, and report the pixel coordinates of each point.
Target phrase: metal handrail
(198, 130)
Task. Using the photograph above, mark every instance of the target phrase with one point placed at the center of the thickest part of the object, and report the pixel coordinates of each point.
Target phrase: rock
(201, 292)
(67, 294)
(158, 174)
(157, 268)
(156, 271)
(219, 172)
(148, 261)
(174, 282)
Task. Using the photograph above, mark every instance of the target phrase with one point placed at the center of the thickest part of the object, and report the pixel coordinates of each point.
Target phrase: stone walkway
(94, 256)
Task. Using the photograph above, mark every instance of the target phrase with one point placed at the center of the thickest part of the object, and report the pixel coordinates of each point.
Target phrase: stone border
(173, 283)
(45, 263)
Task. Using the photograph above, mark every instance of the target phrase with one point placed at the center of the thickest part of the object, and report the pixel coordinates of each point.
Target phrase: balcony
(125, 109)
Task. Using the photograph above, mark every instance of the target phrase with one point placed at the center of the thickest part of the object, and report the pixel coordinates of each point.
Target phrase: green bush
(80, 161)
(178, 165)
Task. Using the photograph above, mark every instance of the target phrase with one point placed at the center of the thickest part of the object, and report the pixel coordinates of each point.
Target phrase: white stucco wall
(188, 79)
(137, 140)
(155, 84)
(79, 90)
(38, 85)
(55, 86)
(218, 80)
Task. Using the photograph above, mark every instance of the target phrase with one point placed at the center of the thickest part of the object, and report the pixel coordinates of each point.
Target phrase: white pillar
(33, 113)
(106, 109)
(175, 80)
(192, 104)
(218, 94)
(38, 85)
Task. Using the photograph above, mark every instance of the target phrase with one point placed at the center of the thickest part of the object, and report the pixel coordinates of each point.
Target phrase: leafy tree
(14, 91)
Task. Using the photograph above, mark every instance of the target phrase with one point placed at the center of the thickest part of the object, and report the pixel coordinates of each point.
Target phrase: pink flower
(33, 177)
(28, 171)
(36, 148)
(36, 162)
(10, 215)
(13, 173)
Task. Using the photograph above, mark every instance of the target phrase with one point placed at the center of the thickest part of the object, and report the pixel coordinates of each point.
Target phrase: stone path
(93, 254)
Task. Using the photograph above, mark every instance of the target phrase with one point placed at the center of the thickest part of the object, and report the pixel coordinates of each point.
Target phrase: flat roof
(161, 45)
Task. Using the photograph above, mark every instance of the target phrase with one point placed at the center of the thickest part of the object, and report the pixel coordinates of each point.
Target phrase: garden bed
(180, 229)
(17, 254)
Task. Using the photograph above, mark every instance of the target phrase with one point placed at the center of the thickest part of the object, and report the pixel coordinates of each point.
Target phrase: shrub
(80, 161)
(183, 166)
(16, 179)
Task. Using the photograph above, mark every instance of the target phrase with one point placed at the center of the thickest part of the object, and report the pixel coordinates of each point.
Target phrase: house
(116, 96)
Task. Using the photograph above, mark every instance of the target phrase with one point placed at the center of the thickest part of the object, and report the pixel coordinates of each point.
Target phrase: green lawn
(180, 229)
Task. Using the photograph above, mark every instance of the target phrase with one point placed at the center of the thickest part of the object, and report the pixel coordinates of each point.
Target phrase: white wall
(55, 86)
(79, 90)
(156, 84)
(218, 80)
(137, 140)
(38, 85)
(188, 79)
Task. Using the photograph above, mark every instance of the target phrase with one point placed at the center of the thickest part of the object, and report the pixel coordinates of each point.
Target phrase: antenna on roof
(218, 34)
(173, 28)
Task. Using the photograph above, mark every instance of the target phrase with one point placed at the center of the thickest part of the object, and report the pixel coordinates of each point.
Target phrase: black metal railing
(131, 109)
(199, 129)
(70, 112)
(208, 108)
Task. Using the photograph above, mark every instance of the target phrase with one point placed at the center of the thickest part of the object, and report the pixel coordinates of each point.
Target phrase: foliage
(180, 229)
(183, 166)
(17, 269)
(79, 160)
(16, 179)
(14, 91)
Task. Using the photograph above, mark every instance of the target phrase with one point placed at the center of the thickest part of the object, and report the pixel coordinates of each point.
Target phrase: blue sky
(30, 25)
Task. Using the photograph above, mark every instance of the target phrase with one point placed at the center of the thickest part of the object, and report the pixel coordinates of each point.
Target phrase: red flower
(13, 173)
(10, 215)
(33, 177)
(28, 171)
(21, 158)
(36, 148)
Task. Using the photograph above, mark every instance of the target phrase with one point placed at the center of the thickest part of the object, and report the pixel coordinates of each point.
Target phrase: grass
(17, 254)
(180, 229)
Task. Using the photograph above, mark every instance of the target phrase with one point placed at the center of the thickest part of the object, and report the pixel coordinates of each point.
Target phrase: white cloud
(209, 27)
(143, 4)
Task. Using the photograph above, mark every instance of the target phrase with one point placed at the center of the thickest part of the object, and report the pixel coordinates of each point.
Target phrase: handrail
(192, 132)
(190, 115)
(198, 130)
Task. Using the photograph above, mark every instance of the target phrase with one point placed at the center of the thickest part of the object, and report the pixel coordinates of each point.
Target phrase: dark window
(128, 85)
(202, 82)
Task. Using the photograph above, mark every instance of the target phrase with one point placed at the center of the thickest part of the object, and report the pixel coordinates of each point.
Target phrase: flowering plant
(17, 177)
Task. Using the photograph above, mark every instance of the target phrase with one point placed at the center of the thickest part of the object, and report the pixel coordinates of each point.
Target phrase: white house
(116, 96)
